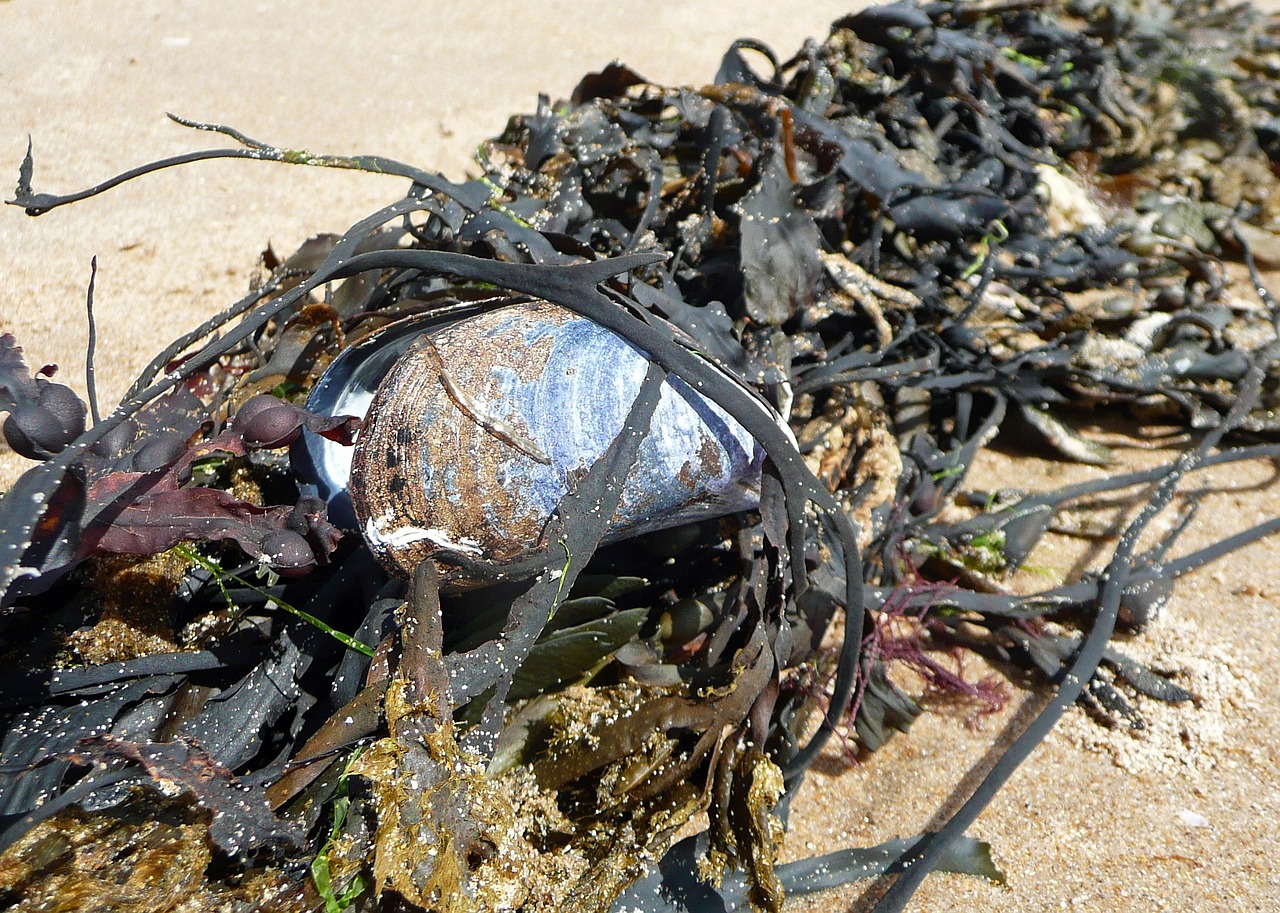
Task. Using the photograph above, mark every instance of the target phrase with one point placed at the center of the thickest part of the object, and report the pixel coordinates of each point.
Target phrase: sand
(1181, 816)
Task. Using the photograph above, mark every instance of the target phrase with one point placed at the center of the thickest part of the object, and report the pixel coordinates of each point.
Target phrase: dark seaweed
(879, 231)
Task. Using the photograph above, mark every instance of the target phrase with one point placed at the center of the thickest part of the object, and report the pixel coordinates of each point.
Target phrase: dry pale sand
(1180, 817)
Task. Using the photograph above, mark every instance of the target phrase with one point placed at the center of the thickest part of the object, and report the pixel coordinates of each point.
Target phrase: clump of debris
(945, 222)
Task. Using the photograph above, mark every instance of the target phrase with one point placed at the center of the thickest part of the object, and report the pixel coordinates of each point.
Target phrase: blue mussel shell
(478, 427)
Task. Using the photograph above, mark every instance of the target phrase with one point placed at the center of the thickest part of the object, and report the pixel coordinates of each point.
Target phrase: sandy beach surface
(1184, 815)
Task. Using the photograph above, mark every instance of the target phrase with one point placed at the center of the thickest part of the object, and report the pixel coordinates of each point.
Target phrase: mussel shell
(346, 388)
(474, 458)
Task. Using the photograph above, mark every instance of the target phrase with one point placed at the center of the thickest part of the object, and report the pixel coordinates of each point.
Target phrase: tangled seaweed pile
(945, 221)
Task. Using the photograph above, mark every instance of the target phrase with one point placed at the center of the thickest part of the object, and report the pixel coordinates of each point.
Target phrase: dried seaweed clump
(945, 222)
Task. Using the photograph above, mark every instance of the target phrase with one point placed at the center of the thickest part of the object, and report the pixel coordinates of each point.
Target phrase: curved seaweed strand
(924, 856)
(583, 518)
(37, 204)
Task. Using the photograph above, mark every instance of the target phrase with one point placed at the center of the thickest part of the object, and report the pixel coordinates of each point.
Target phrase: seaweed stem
(90, 382)
(214, 568)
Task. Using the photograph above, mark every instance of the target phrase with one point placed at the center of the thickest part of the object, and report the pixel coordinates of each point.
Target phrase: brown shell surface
(395, 453)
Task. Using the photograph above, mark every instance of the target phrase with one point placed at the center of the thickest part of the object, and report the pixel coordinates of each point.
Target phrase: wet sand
(1181, 816)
